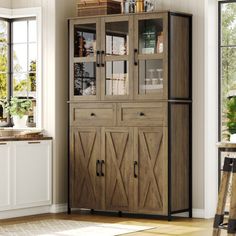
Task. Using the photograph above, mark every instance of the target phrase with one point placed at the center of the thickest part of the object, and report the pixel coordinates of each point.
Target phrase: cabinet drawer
(142, 114)
(101, 114)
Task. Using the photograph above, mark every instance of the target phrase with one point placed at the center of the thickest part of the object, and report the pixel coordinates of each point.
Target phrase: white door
(32, 166)
(5, 173)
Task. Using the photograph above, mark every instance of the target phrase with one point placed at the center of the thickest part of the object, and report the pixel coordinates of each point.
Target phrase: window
(18, 63)
(227, 69)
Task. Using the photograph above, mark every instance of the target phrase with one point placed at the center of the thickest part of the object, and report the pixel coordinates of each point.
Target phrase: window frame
(220, 46)
(34, 12)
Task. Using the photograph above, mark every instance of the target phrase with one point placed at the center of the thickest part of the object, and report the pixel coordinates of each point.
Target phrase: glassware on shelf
(149, 5)
(160, 76)
(148, 81)
(151, 72)
(155, 81)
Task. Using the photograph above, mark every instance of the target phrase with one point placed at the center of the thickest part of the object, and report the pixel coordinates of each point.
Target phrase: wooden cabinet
(118, 152)
(26, 175)
(87, 184)
(151, 158)
(130, 113)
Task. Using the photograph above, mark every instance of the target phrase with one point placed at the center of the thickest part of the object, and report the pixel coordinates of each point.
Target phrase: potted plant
(18, 108)
(231, 118)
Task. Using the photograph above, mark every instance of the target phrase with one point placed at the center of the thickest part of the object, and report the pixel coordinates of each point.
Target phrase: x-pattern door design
(86, 184)
(119, 159)
(150, 169)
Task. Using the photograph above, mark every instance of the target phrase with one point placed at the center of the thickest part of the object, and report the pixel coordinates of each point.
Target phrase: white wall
(5, 3)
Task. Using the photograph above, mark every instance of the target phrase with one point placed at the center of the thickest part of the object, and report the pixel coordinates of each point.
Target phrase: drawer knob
(141, 114)
(92, 114)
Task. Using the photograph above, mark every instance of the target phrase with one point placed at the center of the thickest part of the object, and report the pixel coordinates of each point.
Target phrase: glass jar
(139, 6)
(126, 4)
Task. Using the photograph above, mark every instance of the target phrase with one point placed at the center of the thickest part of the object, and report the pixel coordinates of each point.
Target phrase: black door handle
(98, 59)
(102, 163)
(102, 58)
(97, 171)
(92, 114)
(135, 57)
(135, 165)
(141, 114)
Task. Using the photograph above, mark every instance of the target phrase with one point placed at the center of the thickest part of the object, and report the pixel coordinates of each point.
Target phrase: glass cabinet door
(116, 57)
(84, 51)
(150, 53)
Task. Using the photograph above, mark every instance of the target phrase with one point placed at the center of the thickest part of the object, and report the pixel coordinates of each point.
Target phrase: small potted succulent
(231, 118)
(18, 108)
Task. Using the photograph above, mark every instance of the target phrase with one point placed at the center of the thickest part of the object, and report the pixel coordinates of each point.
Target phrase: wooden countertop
(226, 145)
(18, 138)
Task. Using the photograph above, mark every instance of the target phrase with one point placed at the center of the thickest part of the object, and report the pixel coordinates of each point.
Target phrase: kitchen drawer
(93, 114)
(142, 114)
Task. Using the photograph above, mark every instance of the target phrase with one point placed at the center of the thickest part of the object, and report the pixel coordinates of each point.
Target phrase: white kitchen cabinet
(6, 176)
(26, 174)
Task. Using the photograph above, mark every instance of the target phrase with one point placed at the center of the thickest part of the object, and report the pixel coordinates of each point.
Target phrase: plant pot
(233, 138)
(20, 122)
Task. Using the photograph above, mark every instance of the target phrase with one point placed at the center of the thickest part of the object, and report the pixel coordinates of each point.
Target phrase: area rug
(68, 228)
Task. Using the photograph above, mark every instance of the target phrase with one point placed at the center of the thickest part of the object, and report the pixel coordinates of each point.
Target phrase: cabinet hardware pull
(103, 59)
(98, 59)
(135, 165)
(92, 114)
(135, 57)
(3, 143)
(34, 142)
(141, 114)
(102, 162)
(97, 171)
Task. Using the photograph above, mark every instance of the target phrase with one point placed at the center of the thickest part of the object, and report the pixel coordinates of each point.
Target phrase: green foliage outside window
(228, 67)
(28, 84)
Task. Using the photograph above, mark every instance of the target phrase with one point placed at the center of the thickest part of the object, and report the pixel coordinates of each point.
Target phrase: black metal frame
(174, 100)
(220, 3)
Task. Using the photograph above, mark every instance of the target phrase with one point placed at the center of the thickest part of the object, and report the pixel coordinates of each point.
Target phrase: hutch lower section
(140, 167)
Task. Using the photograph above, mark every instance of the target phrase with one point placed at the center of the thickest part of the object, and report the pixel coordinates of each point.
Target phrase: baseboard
(58, 208)
(197, 213)
(24, 212)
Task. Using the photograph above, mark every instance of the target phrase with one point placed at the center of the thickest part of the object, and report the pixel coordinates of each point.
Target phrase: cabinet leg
(120, 213)
(92, 211)
(190, 213)
(68, 210)
(232, 211)
(224, 186)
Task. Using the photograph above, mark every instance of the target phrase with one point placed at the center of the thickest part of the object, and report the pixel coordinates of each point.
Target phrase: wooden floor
(179, 226)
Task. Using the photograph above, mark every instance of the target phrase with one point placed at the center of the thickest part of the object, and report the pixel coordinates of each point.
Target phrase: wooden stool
(228, 170)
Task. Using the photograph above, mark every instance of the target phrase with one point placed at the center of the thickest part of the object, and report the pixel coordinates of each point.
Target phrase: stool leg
(224, 186)
(232, 211)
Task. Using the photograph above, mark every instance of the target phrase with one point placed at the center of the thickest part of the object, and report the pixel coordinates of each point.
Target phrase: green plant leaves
(17, 106)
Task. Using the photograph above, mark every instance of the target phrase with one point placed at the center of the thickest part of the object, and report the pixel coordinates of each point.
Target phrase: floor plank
(179, 226)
